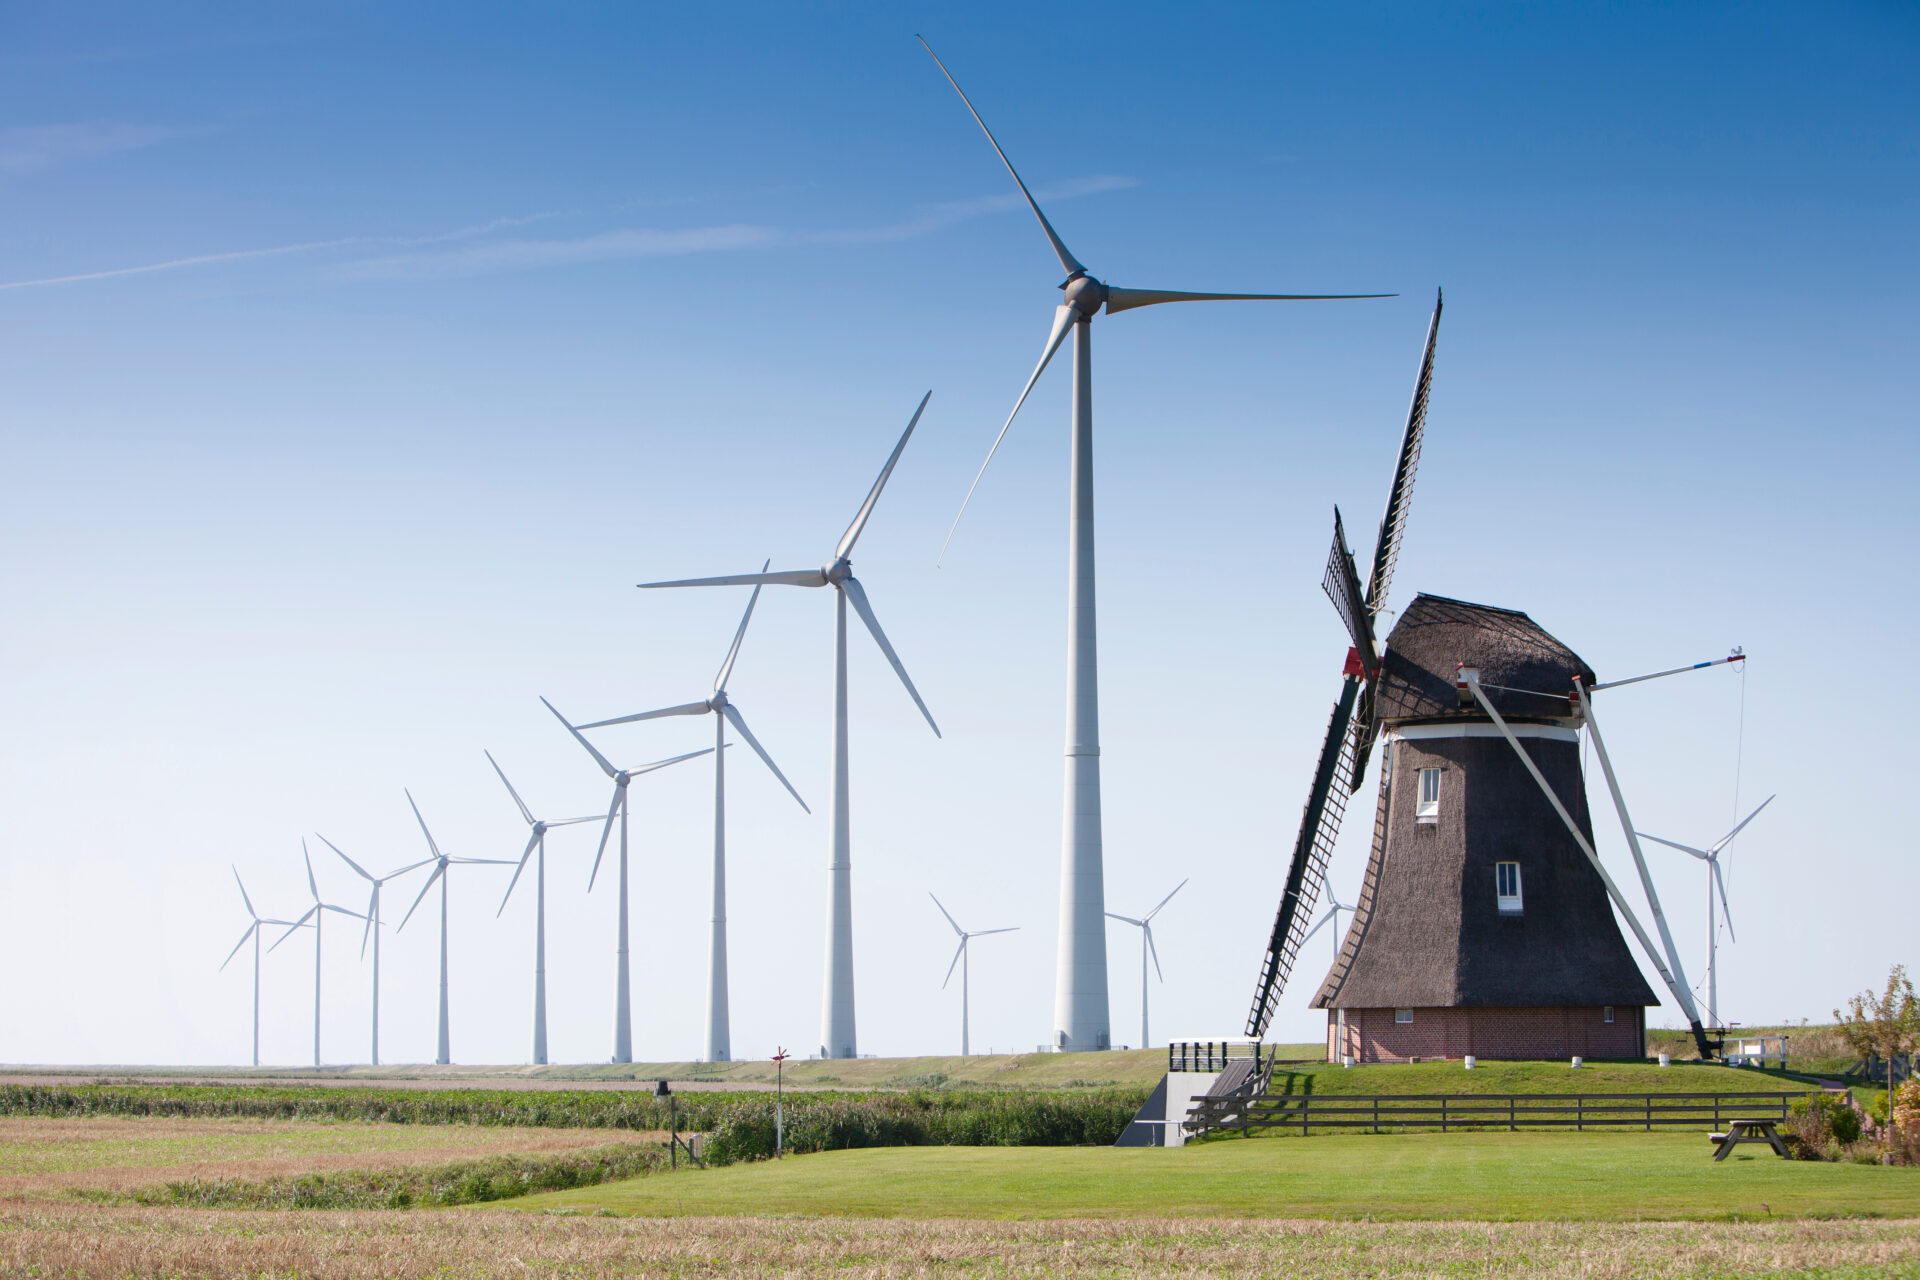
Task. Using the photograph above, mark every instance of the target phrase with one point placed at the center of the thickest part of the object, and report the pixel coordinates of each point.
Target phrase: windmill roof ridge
(1435, 635)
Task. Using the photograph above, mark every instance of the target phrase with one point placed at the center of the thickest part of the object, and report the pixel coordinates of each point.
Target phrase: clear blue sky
(360, 359)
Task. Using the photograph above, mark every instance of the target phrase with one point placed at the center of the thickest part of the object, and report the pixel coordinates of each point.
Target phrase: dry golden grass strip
(85, 1243)
(121, 1154)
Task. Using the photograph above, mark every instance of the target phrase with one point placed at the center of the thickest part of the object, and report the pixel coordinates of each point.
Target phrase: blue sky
(361, 358)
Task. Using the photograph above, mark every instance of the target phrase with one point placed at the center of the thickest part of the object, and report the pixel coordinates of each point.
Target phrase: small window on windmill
(1606, 1013)
(1506, 885)
(1403, 1015)
(1428, 807)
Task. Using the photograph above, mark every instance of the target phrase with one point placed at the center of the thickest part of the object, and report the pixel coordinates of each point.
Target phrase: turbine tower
(444, 1053)
(1711, 856)
(724, 712)
(253, 932)
(960, 958)
(1145, 925)
(837, 1034)
(317, 914)
(1080, 985)
(373, 926)
(622, 984)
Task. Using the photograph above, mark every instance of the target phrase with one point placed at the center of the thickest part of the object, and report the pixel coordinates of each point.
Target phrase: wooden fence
(1307, 1112)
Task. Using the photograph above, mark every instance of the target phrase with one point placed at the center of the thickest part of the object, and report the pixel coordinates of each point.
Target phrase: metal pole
(540, 952)
(376, 973)
(965, 997)
(837, 1014)
(318, 916)
(256, 995)
(719, 1048)
(622, 972)
(1080, 1015)
(1713, 939)
(445, 1054)
(1143, 986)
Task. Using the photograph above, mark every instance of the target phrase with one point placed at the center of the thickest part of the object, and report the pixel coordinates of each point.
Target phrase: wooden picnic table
(1739, 1131)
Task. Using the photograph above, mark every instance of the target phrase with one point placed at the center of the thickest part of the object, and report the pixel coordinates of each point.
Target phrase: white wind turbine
(1080, 987)
(253, 932)
(622, 981)
(724, 712)
(372, 929)
(960, 958)
(1334, 908)
(537, 845)
(444, 1053)
(1145, 925)
(837, 1034)
(316, 913)
(1711, 856)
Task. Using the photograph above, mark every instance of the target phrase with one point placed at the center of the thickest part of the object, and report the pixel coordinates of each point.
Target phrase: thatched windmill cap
(1436, 636)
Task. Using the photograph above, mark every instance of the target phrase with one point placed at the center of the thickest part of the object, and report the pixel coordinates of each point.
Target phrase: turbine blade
(411, 866)
(1725, 909)
(439, 870)
(984, 932)
(292, 929)
(661, 764)
(423, 826)
(308, 858)
(613, 811)
(958, 952)
(739, 723)
(1127, 299)
(243, 894)
(1727, 839)
(236, 946)
(373, 909)
(568, 822)
(1138, 924)
(1319, 924)
(521, 804)
(857, 596)
(1684, 848)
(684, 709)
(1169, 898)
(949, 915)
(581, 739)
(343, 857)
(1153, 951)
(1063, 318)
(1067, 261)
(328, 906)
(532, 840)
(779, 578)
(852, 535)
(726, 668)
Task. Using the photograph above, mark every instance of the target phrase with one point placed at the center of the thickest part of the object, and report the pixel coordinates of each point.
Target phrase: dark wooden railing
(1307, 1112)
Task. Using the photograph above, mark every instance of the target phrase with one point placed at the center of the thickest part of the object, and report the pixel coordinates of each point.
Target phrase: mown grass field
(1599, 1177)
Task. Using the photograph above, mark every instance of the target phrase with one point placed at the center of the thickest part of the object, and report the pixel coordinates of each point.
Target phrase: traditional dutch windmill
(1483, 924)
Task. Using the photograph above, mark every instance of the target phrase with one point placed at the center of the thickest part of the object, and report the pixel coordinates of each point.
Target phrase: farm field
(1608, 1176)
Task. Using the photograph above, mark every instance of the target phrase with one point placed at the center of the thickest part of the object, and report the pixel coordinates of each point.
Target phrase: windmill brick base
(1374, 1035)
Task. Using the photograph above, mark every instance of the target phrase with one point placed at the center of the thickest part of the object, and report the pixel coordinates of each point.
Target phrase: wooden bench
(1739, 1131)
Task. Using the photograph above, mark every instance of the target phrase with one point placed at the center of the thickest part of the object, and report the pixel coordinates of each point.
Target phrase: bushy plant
(1819, 1124)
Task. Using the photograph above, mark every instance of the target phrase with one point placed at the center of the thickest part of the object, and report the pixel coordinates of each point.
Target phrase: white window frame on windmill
(1426, 803)
(1507, 894)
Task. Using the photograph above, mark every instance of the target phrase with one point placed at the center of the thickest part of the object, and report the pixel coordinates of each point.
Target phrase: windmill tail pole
(1680, 993)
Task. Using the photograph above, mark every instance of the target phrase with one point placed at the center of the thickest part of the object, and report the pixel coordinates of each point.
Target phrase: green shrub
(1821, 1124)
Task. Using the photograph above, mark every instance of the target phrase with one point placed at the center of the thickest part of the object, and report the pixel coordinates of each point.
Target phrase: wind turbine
(1334, 908)
(1080, 987)
(441, 862)
(960, 958)
(373, 926)
(1145, 925)
(622, 988)
(724, 712)
(316, 913)
(837, 1038)
(1711, 856)
(253, 931)
(537, 842)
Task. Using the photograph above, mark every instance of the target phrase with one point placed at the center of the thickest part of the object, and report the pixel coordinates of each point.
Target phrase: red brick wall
(1373, 1035)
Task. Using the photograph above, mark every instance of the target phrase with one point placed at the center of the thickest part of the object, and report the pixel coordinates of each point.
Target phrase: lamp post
(780, 1057)
(673, 1121)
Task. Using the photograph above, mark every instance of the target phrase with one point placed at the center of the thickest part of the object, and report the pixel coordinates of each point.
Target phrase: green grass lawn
(1582, 1177)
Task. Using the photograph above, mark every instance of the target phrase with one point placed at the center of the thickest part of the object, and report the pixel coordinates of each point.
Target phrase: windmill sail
(1349, 740)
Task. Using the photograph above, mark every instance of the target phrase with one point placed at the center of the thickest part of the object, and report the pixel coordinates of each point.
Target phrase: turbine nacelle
(1085, 294)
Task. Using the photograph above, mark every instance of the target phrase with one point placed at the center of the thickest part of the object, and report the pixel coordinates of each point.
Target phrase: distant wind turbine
(317, 914)
(372, 929)
(537, 845)
(253, 932)
(1080, 988)
(1145, 925)
(1711, 856)
(444, 1053)
(837, 1029)
(960, 958)
(622, 975)
(724, 712)
(1334, 908)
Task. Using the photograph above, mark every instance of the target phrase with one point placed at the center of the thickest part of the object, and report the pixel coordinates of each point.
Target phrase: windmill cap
(1436, 639)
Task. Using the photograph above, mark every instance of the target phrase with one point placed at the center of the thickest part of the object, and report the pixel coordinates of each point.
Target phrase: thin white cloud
(40, 146)
(523, 255)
